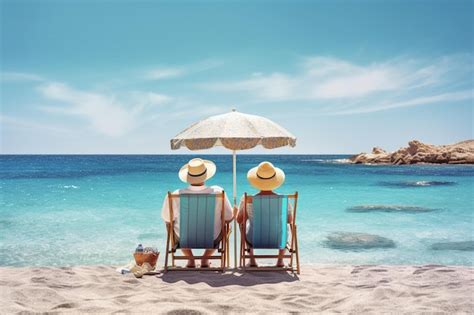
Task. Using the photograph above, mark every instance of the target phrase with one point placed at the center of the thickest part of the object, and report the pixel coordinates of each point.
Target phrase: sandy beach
(319, 288)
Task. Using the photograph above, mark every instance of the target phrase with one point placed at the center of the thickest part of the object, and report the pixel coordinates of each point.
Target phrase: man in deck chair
(266, 178)
(195, 173)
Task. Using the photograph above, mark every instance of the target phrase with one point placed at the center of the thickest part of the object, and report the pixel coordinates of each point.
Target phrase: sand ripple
(323, 288)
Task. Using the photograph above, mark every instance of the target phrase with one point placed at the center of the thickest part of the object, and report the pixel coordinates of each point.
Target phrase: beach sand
(319, 288)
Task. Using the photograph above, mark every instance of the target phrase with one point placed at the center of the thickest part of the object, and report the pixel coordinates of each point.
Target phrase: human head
(197, 171)
(266, 177)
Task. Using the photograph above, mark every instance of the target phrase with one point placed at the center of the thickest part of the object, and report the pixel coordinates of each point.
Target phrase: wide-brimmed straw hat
(197, 171)
(266, 176)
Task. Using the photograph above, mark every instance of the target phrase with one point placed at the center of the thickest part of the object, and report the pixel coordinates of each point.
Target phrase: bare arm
(290, 217)
(240, 215)
(290, 213)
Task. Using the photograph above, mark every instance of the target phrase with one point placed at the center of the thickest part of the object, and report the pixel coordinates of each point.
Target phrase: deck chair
(196, 229)
(270, 230)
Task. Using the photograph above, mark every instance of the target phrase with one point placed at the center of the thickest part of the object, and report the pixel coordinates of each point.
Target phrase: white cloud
(161, 73)
(445, 97)
(358, 84)
(104, 113)
(320, 78)
(347, 87)
(275, 86)
(164, 73)
(150, 98)
(20, 76)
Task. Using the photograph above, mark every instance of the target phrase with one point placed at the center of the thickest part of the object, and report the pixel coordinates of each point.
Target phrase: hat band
(266, 178)
(197, 175)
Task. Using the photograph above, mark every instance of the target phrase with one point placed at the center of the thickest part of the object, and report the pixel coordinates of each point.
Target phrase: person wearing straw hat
(266, 178)
(195, 173)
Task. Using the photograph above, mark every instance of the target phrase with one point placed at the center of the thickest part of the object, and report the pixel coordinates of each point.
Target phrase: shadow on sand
(217, 279)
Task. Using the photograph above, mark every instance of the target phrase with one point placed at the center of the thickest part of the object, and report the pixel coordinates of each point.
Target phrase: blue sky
(125, 77)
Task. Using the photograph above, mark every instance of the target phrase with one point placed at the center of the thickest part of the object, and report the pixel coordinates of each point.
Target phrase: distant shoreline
(420, 153)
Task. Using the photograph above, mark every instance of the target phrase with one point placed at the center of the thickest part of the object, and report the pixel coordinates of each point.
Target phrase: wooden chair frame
(172, 246)
(292, 247)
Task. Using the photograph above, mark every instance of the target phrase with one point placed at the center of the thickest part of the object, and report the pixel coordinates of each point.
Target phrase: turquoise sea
(94, 209)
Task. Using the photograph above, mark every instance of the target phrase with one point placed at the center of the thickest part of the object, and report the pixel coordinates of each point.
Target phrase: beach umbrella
(234, 131)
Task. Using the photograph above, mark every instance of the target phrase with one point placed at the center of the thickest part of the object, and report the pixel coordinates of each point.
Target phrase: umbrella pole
(234, 181)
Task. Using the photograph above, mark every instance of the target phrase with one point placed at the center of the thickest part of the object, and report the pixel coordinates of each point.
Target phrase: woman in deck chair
(195, 173)
(266, 178)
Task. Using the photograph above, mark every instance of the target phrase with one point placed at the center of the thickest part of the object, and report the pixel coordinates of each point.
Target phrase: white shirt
(165, 210)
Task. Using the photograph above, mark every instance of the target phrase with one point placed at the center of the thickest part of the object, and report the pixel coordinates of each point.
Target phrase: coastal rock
(419, 153)
(462, 246)
(389, 208)
(357, 241)
(378, 150)
(419, 183)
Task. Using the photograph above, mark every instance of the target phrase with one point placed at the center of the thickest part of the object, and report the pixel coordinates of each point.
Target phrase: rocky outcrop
(389, 208)
(418, 183)
(462, 246)
(419, 153)
(357, 241)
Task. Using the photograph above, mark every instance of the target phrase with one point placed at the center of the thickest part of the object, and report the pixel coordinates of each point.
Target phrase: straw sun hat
(266, 176)
(197, 171)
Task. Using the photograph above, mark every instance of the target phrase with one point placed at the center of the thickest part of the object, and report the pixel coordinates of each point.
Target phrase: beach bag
(146, 257)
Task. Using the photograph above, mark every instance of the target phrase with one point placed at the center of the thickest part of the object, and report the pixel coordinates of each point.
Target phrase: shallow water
(75, 210)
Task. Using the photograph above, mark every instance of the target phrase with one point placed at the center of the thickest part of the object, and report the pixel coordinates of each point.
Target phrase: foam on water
(71, 187)
(330, 161)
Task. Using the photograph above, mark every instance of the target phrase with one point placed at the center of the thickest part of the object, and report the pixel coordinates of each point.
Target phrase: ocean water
(74, 210)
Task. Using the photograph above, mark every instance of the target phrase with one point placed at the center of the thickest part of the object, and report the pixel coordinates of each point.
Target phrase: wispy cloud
(336, 86)
(20, 76)
(104, 113)
(445, 97)
(167, 72)
(161, 73)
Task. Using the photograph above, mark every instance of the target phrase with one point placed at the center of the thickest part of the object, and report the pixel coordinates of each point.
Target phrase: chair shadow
(231, 277)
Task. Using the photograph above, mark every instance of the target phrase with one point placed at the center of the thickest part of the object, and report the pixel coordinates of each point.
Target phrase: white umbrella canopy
(235, 131)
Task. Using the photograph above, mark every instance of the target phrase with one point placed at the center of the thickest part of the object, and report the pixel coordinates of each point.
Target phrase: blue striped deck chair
(270, 230)
(196, 228)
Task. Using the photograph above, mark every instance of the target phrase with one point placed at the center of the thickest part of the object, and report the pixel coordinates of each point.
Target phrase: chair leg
(224, 249)
(242, 252)
(242, 256)
(292, 244)
(227, 255)
(224, 257)
(227, 252)
(167, 250)
(297, 254)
